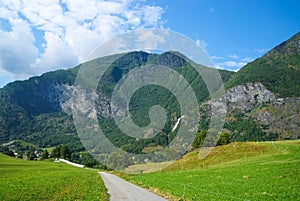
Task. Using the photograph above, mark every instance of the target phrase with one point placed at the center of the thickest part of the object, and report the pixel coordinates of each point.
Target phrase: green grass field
(45, 180)
(238, 171)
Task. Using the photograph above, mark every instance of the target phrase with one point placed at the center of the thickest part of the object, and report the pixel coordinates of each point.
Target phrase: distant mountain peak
(278, 70)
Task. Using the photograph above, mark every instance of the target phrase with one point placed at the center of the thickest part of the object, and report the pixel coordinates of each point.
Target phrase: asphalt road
(121, 190)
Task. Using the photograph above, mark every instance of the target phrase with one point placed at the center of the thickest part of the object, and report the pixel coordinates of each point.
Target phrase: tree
(65, 152)
(199, 140)
(10, 153)
(224, 139)
(45, 155)
(31, 156)
(55, 153)
(6, 151)
(61, 151)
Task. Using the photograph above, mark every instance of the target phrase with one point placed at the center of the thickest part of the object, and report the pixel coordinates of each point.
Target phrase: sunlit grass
(45, 180)
(240, 171)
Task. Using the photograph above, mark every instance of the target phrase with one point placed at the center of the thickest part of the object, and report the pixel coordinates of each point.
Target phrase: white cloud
(202, 44)
(233, 56)
(216, 57)
(149, 40)
(152, 15)
(231, 64)
(247, 59)
(72, 29)
(57, 53)
(17, 48)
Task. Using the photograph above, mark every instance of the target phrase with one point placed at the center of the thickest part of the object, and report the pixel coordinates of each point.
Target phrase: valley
(254, 157)
(237, 171)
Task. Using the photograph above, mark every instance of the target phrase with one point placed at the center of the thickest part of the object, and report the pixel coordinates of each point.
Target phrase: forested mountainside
(262, 101)
(36, 110)
(278, 70)
(262, 98)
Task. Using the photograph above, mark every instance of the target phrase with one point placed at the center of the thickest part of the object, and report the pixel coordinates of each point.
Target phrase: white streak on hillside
(177, 123)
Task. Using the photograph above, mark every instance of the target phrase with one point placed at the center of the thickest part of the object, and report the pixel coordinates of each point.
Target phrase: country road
(121, 190)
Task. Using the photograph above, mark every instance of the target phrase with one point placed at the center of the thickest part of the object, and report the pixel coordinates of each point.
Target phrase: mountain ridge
(37, 110)
(43, 100)
(288, 47)
(278, 70)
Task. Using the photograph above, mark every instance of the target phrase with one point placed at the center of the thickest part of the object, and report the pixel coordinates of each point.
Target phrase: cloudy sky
(37, 36)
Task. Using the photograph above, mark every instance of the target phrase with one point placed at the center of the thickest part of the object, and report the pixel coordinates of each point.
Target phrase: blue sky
(234, 32)
(43, 35)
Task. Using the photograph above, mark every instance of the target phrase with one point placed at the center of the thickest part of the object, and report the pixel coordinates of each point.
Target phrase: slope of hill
(262, 99)
(45, 180)
(255, 114)
(278, 70)
(37, 110)
(238, 171)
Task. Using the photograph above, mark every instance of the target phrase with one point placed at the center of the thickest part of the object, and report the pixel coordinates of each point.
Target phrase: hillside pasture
(239, 171)
(46, 180)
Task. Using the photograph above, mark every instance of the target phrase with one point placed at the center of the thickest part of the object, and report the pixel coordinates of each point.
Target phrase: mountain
(38, 110)
(278, 70)
(262, 101)
(255, 114)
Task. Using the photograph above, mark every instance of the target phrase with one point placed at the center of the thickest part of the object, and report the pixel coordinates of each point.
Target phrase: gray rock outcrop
(244, 97)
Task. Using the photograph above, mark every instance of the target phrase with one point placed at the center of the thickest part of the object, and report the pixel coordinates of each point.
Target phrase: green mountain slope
(278, 70)
(32, 110)
(39, 110)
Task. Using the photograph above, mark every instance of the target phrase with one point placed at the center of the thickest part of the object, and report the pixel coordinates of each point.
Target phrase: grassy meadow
(238, 171)
(45, 180)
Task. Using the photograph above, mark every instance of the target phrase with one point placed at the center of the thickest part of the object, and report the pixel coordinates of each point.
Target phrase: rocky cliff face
(254, 101)
(244, 97)
(89, 104)
(282, 117)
